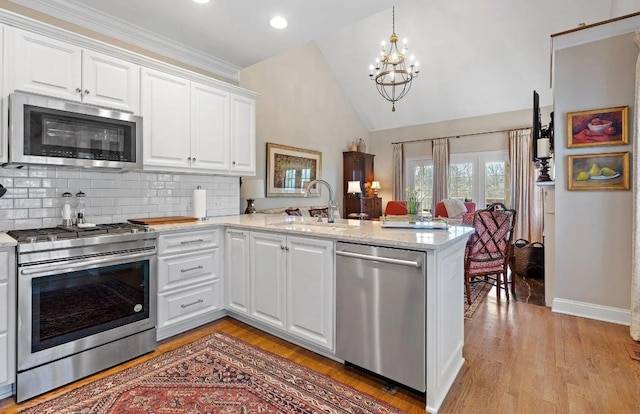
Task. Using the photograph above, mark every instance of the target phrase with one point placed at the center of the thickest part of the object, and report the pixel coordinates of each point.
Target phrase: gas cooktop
(74, 232)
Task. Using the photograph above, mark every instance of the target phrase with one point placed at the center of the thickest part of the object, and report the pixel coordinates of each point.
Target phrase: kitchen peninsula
(279, 274)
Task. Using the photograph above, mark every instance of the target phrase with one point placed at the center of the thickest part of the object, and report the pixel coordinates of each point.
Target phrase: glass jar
(80, 208)
(66, 209)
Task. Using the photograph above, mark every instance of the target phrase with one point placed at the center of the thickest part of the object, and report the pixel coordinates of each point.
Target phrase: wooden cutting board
(150, 221)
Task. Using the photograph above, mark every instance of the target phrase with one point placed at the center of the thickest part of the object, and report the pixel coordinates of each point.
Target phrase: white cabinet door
(209, 128)
(42, 65)
(110, 82)
(268, 267)
(237, 271)
(7, 316)
(243, 135)
(310, 290)
(165, 120)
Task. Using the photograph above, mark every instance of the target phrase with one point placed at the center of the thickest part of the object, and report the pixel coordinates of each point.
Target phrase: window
(420, 177)
(482, 177)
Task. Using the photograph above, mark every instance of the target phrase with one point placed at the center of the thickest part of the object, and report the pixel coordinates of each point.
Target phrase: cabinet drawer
(188, 241)
(183, 304)
(174, 271)
(4, 299)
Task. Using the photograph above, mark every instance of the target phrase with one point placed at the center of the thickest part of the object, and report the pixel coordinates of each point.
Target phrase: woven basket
(527, 259)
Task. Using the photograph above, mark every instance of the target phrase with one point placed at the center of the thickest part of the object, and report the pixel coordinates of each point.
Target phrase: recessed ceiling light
(201, 1)
(278, 22)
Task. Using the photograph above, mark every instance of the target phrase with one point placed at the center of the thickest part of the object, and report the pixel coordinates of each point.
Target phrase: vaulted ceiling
(477, 57)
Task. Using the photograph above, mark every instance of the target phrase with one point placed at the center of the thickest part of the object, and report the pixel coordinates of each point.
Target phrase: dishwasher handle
(412, 263)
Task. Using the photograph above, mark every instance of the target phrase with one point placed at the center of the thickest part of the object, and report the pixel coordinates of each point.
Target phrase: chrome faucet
(332, 204)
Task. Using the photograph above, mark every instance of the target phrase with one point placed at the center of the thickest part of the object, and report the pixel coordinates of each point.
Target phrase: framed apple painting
(597, 127)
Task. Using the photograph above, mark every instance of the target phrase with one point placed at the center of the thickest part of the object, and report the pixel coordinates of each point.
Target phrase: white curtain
(526, 197)
(398, 172)
(635, 266)
(440, 170)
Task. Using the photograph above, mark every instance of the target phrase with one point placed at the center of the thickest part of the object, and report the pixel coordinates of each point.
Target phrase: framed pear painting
(607, 171)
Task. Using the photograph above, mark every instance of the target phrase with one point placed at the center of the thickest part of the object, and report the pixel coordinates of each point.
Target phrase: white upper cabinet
(4, 110)
(243, 135)
(165, 120)
(110, 82)
(192, 127)
(209, 128)
(55, 68)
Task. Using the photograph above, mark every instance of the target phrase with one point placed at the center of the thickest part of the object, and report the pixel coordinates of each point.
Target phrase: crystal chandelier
(393, 78)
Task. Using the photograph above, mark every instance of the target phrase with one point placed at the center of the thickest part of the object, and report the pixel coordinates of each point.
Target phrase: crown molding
(74, 12)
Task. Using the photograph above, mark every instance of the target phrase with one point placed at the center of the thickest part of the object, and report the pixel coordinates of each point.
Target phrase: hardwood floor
(520, 358)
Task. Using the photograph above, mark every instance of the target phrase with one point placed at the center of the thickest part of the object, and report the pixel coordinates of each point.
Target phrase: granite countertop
(357, 231)
(7, 241)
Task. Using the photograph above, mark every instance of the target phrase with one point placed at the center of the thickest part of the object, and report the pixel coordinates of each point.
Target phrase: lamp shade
(354, 187)
(252, 189)
(376, 185)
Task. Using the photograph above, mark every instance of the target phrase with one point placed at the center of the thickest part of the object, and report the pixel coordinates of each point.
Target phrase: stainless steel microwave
(51, 131)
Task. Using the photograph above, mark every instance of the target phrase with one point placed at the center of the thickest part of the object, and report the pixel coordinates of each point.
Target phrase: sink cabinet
(190, 286)
(51, 67)
(288, 287)
(7, 320)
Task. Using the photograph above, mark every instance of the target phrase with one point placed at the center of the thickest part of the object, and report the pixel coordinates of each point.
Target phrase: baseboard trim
(6, 391)
(592, 311)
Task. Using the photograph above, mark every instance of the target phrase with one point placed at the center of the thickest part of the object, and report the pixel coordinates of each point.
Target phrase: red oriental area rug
(216, 374)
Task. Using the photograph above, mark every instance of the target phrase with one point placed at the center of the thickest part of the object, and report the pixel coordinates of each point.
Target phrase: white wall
(593, 228)
(301, 105)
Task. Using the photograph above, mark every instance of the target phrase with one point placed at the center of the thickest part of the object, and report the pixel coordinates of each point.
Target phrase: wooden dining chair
(487, 251)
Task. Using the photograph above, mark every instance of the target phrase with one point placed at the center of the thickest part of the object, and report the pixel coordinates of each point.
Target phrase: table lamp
(250, 190)
(375, 185)
(353, 188)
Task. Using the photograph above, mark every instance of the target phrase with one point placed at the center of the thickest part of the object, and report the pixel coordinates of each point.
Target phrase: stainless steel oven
(85, 303)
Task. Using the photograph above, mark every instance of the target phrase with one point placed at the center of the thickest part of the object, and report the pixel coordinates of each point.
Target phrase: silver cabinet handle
(287, 248)
(416, 264)
(239, 233)
(192, 241)
(78, 90)
(281, 247)
(186, 305)
(188, 158)
(86, 92)
(191, 268)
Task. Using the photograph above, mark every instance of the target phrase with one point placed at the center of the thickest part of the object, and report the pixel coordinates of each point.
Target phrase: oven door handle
(84, 263)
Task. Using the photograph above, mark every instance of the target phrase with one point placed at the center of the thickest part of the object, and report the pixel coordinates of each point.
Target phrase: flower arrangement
(412, 201)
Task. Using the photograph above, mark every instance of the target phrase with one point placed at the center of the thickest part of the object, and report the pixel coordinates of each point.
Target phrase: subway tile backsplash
(34, 195)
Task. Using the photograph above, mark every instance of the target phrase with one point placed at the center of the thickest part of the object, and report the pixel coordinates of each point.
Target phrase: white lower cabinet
(289, 284)
(7, 320)
(190, 287)
(237, 271)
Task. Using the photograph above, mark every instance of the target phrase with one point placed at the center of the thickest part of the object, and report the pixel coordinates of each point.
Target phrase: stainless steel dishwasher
(380, 311)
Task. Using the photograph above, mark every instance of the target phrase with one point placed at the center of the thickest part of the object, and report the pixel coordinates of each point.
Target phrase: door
(243, 135)
(310, 290)
(166, 120)
(42, 65)
(237, 271)
(209, 128)
(268, 267)
(110, 82)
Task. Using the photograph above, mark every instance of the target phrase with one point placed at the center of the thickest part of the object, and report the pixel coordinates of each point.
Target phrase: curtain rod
(459, 135)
